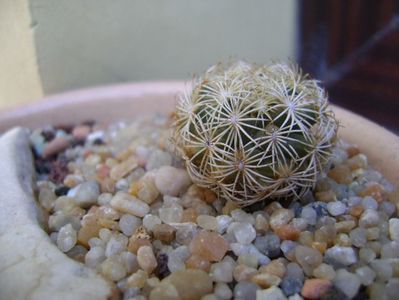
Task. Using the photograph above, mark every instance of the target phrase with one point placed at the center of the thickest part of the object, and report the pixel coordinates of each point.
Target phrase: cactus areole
(252, 132)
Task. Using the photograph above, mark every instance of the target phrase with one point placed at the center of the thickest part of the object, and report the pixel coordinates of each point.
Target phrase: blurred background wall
(54, 46)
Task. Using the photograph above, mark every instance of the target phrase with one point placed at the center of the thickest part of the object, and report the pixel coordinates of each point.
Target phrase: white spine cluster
(249, 132)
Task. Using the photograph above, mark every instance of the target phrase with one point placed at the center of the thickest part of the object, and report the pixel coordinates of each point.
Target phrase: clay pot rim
(111, 102)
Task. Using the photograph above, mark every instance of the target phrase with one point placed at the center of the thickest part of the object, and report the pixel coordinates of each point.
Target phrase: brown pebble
(229, 207)
(85, 233)
(315, 288)
(189, 215)
(275, 267)
(341, 174)
(56, 145)
(81, 132)
(272, 207)
(326, 196)
(356, 210)
(209, 245)
(374, 190)
(320, 246)
(243, 272)
(287, 232)
(352, 150)
(164, 232)
(134, 244)
(265, 280)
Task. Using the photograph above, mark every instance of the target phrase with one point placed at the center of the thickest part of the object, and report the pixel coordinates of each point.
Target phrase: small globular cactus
(250, 132)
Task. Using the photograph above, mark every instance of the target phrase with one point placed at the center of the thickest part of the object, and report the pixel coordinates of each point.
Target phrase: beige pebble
(122, 169)
(191, 284)
(137, 280)
(129, 204)
(146, 259)
(171, 181)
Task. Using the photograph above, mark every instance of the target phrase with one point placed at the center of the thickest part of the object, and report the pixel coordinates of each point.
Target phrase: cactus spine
(250, 132)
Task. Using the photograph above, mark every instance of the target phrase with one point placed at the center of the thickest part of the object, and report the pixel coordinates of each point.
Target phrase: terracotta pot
(32, 260)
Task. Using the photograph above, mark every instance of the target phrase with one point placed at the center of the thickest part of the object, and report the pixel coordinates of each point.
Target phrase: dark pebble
(98, 142)
(269, 245)
(61, 190)
(58, 171)
(42, 166)
(76, 142)
(297, 208)
(362, 294)
(334, 294)
(162, 269)
(48, 135)
(291, 285)
(320, 208)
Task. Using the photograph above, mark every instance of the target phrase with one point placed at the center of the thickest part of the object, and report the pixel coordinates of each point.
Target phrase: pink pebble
(81, 132)
(56, 145)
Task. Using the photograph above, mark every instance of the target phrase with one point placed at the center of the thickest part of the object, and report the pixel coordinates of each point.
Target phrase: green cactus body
(249, 132)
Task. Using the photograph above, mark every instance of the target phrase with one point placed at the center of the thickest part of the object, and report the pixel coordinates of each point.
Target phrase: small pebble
(265, 280)
(164, 232)
(315, 288)
(66, 238)
(308, 258)
(392, 288)
(394, 229)
(309, 214)
(272, 293)
(149, 221)
(369, 203)
(291, 285)
(221, 272)
(369, 218)
(171, 214)
(129, 204)
(223, 223)
(223, 291)
(243, 232)
(146, 259)
(209, 245)
(268, 244)
(347, 282)
(358, 237)
(280, 217)
(382, 268)
(129, 224)
(324, 271)
(245, 290)
(207, 222)
(113, 268)
(366, 275)
(336, 208)
(56, 145)
(86, 193)
(81, 132)
(190, 283)
(341, 256)
(171, 181)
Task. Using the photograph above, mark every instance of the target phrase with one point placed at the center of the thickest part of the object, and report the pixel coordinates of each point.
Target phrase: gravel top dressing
(119, 201)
